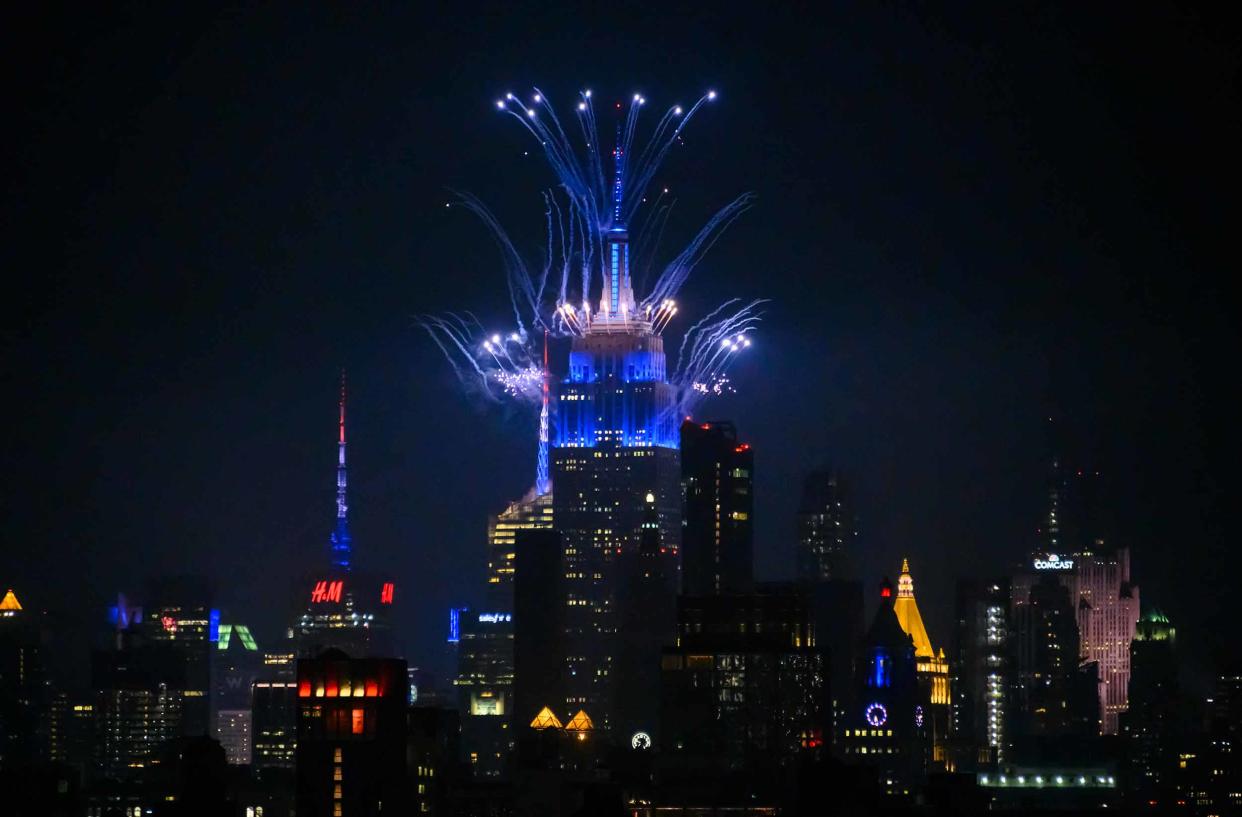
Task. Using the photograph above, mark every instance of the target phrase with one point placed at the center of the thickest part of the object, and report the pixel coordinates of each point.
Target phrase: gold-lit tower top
(908, 616)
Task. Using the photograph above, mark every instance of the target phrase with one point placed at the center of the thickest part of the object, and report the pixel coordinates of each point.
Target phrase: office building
(1152, 726)
(744, 686)
(539, 613)
(532, 512)
(341, 607)
(25, 697)
(827, 528)
(717, 475)
(983, 679)
(140, 696)
(484, 686)
(351, 741)
(616, 442)
(273, 724)
(236, 666)
(646, 616)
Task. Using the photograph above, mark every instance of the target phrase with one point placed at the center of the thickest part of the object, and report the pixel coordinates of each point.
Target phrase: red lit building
(351, 745)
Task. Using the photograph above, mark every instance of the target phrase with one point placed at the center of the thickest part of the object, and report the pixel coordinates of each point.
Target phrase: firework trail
(553, 299)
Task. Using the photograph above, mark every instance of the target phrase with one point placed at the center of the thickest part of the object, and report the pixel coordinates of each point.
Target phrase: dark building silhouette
(1152, 726)
(827, 528)
(1055, 693)
(717, 475)
(352, 736)
(539, 603)
(433, 750)
(745, 687)
(647, 616)
(837, 608)
(25, 699)
(72, 739)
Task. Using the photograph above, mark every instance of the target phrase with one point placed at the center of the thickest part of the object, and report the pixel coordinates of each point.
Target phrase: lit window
(358, 721)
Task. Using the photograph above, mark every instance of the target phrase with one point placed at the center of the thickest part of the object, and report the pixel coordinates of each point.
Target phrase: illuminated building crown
(908, 615)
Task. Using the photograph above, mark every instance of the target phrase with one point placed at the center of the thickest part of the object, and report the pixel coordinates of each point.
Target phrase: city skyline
(231, 405)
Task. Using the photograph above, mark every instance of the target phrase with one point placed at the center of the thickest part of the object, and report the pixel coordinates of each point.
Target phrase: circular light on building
(640, 741)
(876, 714)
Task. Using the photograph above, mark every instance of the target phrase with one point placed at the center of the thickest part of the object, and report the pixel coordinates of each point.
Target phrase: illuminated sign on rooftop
(492, 618)
(1053, 562)
(327, 591)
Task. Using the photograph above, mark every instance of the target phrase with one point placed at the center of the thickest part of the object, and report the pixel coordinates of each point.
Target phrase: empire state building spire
(341, 541)
(618, 299)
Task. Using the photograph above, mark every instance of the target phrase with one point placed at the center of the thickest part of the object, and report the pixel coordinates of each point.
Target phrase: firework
(554, 297)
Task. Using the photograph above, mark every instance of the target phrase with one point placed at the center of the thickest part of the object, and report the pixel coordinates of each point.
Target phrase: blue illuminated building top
(617, 393)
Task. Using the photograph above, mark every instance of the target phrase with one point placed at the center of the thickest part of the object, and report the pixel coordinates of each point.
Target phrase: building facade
(616, 442)
(352, 736)
(717, 474)
(744, 688)
(827, 528)
(484, 686)
(983, 677)
(532, 512)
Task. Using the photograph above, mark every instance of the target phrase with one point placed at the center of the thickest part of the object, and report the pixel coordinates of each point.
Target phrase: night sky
(969, 219)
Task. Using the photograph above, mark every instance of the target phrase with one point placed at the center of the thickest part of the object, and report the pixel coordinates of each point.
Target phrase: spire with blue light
(341, 541)
(618, 298)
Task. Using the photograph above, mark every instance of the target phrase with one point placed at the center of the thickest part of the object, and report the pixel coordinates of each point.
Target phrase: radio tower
(341, 541)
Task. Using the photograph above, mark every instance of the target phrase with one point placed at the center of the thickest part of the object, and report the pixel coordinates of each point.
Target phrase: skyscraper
(484, 687)
(352, 736)
(931, 668)
(532, 512)
(236, 664)
(886, 727)
(1108, 610)
(1151, 724)
(1054, 692)
(140, 692)
(24, 694)
(647, 616)
(744, 694)
(1076, 549)
(539, 611)
(983, 668)
(342, 607)
(179, 613)
(274, 721)
(616, 442)
(827, 528)
(717, 474)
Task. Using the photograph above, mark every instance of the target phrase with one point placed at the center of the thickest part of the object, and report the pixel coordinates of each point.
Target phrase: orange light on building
(304, 688)
(357, 721)
(330, 688)
(372, 688)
